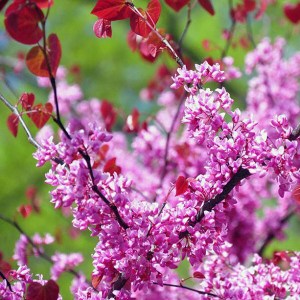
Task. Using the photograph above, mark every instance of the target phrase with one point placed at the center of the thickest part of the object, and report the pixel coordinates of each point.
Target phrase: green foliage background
(108, 70)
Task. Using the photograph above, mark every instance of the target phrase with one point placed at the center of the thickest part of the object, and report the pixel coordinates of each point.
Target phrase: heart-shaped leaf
(132, 122)
(292, 12)
(27, 100)
(111, 167)
(181, 185)
(22, 23)
(96, 279)
(43, 3)
(151, 15)
(177, 5)
(12, 124)
(198, 275)
(36, 291)
(102, 28)
(109, 114)
(112, 10)
(206, 4)
(36, 61)
(41, 114)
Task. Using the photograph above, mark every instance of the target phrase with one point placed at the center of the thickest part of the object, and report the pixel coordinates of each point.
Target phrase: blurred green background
(108, 70)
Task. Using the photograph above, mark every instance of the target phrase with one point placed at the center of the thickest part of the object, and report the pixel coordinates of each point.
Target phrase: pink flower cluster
(143, 228)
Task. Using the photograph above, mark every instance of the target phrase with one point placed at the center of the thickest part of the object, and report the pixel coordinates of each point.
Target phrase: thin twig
(7, 282)
(14, 110)
(249, 32)
(272, 234)
(187, 25)
(231, 33)
(35, 247)
(168, 138)
(188, 288)
(155, 31)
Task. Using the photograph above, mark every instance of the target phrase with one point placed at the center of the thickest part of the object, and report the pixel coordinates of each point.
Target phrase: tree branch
(231, 33)
(14, 110)
(155, 31)
(31, 242)
(84, 154)
(188, 288)
(295, 133)
(272, 234)
(7, 282)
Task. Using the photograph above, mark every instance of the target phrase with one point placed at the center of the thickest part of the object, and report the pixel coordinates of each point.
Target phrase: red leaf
(249, 5)
(132, 40)
(292, 12)
(35, 59)
(103, 151)
(109, 114)
(296, 194)
(152, 46)
(27, 100)
(206, 4)
(12, 124)
(181, 185)
(132, 122)
(138, 25)
(111, 167)
(151, 15)
(43, 3)
(25, 210)
(5, 268)
(36, 291)
(96, 279)
(102, 28)
(177, 5)
(22, 23)
(112, 10)
(280, 257)
(41, 114)
(198, 275)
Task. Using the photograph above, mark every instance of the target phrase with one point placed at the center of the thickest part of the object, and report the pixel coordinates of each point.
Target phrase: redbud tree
(187, 185)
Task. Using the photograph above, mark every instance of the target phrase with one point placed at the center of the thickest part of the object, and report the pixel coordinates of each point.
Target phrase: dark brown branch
(236, 179)
(36, 248)
(210, 204)
(117, 285)
(7, 282)
(84, 154)
(272, 234)
(188, 288)
(295, 133)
